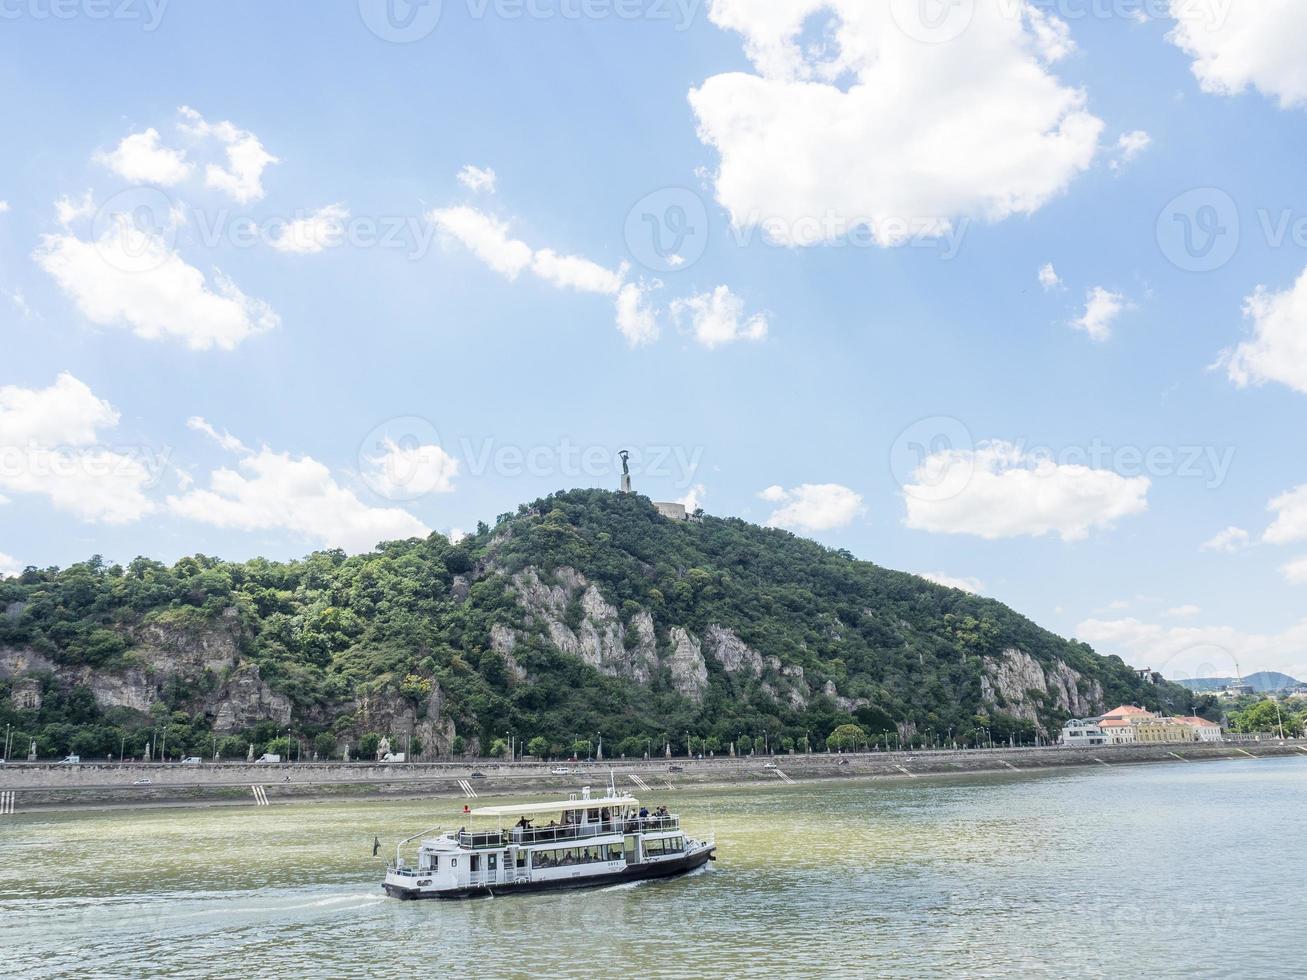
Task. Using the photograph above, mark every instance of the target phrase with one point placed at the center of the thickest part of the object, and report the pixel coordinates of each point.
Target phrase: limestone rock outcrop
(1012, 681)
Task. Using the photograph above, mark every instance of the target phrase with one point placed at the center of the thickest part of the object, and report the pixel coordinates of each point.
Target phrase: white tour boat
(587, 841)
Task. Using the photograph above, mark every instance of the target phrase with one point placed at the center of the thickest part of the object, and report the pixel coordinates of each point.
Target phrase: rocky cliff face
(244, 700)
(1015, 684)
(397, 716)
(600, 639)
(632, 650)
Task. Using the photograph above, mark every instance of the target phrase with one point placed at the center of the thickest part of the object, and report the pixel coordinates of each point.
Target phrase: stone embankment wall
(46, 785)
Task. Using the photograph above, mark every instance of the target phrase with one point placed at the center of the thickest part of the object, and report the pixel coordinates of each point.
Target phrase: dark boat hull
(639, 872)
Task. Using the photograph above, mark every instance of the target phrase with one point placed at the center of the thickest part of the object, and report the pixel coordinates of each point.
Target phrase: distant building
(1203, 730)
(672, 511)
(1118, 731)
(1083, 732)
(1163, 730)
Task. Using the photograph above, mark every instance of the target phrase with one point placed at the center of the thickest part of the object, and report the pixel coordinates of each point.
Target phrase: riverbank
(35, 786)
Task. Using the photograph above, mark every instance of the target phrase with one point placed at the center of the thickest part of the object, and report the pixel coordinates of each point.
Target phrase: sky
(1012, 295)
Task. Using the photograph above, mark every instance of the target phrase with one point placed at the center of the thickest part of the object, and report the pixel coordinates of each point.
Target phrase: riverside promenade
(45, 786)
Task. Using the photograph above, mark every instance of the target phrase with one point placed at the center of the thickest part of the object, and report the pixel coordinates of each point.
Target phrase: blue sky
(471, 313)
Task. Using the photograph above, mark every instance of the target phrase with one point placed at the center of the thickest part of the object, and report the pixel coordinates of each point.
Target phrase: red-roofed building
(1204, 730)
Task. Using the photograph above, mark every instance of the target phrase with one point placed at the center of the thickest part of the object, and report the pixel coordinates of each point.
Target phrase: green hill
(581, 614)
(1265, 682)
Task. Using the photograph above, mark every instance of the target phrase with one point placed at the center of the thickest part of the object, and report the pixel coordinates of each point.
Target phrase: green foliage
(324, 745)
(331, 631)
(1266, 717)
(846, 738)
(538, 747)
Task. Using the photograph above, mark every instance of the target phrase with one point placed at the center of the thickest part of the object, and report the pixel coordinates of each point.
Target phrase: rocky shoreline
(43, 787)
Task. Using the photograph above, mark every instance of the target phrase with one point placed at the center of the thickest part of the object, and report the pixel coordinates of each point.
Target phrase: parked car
(676, 768)
(143, 781)
(477, 775)
(268, 757)
(769, 765)
(561, 771)
(71, 760)
(191, 760)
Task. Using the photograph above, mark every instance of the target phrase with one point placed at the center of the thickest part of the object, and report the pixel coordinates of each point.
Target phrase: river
(1156, 870)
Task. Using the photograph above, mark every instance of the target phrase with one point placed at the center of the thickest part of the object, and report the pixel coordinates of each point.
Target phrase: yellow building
(1162, 730)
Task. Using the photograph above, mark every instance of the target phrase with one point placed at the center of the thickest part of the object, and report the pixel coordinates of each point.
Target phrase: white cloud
(1181, 652)
(272, 491)
(242, 178)
(1129, 146)
(66, 414)
(972, 585)
(313, 233)
(9, 566)
(636, 319)
(875, 128)
(1101, 311)
(1278, 348)
(997, 491)
(132, 278)
(1295, 572)
(224, 438)
(477, 179)
(50, 446)
(20, 304)
(486, 237)
(69, 210)
(490, 240)
(1236, 44)
(406, 472)
(1184, 612)
(1048, 277)
(573, 272)
(718, 318)
(142, 159)
(813, 507)
(694, 499)
(1230, 540)
(4, 207)
(1290, 524)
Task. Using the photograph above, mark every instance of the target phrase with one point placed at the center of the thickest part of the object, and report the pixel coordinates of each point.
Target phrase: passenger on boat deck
(644, 811)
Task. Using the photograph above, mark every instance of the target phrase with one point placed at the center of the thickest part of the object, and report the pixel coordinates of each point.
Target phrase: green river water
(1157, 871)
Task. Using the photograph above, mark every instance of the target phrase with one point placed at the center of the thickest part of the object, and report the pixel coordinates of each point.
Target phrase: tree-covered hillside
(585, 613)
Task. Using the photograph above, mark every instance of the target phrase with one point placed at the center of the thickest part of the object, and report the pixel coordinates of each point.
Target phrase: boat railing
(490, 840)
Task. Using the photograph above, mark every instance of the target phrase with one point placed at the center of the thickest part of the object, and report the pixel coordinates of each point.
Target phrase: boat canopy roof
(523, 809)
